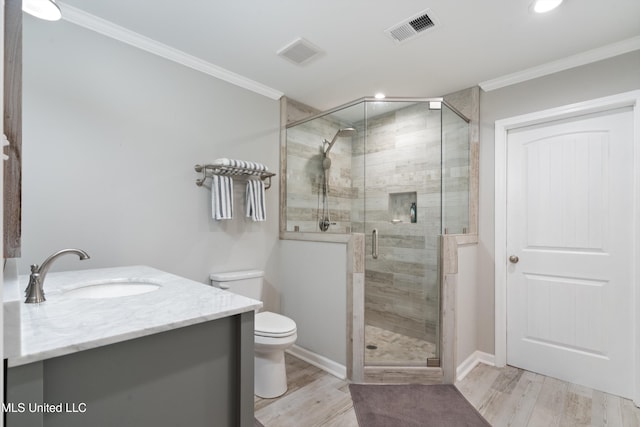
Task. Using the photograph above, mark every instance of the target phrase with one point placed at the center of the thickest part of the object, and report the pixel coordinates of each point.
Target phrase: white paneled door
(570, 250)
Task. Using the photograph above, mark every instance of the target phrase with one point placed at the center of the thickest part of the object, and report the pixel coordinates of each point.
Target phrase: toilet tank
(247, 283)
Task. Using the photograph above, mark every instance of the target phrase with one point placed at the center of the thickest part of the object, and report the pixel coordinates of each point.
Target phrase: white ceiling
(474, 41)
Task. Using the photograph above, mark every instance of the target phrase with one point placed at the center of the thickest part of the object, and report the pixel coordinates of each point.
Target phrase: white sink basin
(112, 289)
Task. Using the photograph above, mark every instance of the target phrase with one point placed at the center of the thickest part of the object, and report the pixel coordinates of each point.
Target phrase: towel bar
(209, 170)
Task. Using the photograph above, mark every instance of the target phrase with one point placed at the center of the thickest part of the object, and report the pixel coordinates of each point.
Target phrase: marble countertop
(63, 325)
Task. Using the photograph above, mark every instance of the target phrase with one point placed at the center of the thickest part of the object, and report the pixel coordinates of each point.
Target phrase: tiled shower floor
(395, 349)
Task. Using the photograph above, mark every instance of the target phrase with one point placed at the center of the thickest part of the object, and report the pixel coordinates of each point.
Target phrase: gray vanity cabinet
(200, 375)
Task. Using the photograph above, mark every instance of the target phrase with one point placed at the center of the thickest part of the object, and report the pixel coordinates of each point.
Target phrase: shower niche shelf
(400, 206)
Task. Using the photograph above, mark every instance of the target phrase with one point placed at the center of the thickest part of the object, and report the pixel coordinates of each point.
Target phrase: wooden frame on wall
(12, 195)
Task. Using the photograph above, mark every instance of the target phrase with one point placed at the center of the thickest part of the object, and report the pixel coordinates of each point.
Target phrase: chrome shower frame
(373, 99)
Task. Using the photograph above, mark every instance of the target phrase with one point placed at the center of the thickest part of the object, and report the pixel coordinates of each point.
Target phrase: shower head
(346, 132)
(341, 133)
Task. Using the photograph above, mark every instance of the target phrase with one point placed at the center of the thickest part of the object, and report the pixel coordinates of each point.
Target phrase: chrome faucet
(34, 291)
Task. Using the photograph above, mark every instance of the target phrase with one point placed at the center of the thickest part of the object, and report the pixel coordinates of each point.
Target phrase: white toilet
(273, 333)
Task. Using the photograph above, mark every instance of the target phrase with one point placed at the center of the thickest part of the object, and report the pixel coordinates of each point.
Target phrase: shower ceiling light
(543, 6)
(43, 9)
(379, 95)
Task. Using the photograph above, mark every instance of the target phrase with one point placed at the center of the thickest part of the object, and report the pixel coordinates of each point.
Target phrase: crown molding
(116, 32)
(577, 60)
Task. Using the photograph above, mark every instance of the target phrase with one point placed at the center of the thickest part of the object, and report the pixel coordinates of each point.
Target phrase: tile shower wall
(402, 166)
(305, 176)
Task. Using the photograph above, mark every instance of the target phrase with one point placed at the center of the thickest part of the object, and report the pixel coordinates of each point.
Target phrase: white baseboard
(340, 371)
(321, 362)
(472, 361)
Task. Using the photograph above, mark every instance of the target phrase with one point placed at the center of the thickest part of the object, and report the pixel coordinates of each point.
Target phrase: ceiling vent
(300, 51)
(412, 27)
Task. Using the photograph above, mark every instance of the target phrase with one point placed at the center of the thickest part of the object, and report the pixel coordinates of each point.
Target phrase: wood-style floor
(512, 397)
(314, 398)
(504, 396)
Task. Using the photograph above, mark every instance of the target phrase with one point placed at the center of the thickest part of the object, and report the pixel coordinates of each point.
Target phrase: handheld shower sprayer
(326, 163)
(325, 220)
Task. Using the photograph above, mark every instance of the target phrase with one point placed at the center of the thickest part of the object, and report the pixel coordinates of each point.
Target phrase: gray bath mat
(412, 405)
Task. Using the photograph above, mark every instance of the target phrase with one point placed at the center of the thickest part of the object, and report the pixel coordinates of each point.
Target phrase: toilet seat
(273, 325)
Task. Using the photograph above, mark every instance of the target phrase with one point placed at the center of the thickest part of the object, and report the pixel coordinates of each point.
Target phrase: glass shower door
(401, 152)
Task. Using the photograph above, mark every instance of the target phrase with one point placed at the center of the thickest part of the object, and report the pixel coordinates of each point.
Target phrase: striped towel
(222, 197)
(255, 200)
(254, 166)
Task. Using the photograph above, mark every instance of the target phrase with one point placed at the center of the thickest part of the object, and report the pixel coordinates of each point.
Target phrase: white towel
(255, 200)
(254, 166)
(222, 197)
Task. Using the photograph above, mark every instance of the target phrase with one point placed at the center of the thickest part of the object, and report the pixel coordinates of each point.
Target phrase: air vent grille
(402, 33)
(299, 51)
(412, 27)
(422, 23)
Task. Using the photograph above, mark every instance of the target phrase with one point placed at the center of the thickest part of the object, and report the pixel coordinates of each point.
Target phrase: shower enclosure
(397, 171)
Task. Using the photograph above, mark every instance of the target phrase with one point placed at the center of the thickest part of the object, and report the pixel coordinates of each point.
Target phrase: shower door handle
(374, 243)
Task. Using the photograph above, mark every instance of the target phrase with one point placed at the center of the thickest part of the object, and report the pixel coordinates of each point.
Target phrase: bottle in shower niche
(413, 213)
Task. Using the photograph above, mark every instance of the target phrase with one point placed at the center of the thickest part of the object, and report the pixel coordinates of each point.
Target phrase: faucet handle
(34, 292)
(33, 283)
(33, 278)
(32, 288)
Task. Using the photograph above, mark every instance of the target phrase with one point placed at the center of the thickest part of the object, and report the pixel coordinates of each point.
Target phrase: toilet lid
(269, 324)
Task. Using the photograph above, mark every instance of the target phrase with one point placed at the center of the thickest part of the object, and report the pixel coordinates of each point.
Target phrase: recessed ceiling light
(43, 9)
(379, 95)
(543, 6)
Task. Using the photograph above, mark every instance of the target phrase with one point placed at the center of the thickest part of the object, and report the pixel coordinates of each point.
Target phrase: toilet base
(270, 375)
(270, 371)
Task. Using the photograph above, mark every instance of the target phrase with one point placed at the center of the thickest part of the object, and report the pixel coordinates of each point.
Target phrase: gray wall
(314, 294)
(603, 78)
(111, 136)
